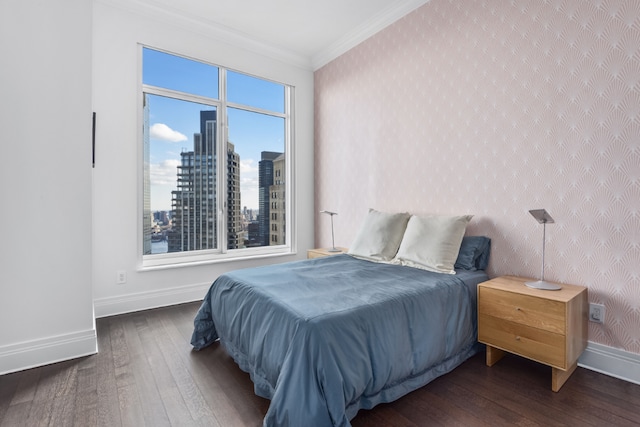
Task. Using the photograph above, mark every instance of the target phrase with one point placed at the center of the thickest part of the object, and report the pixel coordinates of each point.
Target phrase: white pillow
(379, 236)
(432, 242)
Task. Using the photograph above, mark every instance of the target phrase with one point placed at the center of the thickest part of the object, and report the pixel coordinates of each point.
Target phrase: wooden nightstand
(320, 252)
(549, 327)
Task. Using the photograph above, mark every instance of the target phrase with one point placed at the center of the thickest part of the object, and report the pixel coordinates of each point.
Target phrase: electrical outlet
(121, 277)
(596, 313)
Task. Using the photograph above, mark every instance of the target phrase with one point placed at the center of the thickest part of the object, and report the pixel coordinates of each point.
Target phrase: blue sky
(173, 122)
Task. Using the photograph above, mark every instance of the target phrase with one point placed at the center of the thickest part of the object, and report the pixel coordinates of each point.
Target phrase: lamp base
(334, 250)
(541, 284)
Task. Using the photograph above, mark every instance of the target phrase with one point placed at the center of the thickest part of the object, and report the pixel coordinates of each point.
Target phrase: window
(214, 142)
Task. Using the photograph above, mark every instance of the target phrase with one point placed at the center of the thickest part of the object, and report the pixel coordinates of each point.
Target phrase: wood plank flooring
(146, 375)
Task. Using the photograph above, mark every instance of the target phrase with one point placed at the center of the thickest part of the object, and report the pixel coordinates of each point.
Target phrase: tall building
(277, 205)
(235, 233)
(265, 181)
(194, 209)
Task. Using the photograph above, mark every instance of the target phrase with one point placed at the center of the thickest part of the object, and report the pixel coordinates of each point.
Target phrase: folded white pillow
(432, 242)
(379, 236)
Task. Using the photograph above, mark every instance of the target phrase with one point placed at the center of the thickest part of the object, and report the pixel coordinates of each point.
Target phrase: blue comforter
(326, 337)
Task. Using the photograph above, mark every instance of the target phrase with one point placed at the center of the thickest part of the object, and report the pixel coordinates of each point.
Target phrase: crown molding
(382, 20)
(167, 14)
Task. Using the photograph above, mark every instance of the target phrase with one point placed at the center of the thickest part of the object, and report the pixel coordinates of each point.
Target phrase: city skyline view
(214, 152)
(173, 122)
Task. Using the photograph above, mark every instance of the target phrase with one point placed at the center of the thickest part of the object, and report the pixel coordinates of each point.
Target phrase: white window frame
(221, 254)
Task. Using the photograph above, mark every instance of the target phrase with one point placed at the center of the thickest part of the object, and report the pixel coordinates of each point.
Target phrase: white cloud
(163, 181)
(164, 173)
(165, 133)
(249, 183)
(248, 166)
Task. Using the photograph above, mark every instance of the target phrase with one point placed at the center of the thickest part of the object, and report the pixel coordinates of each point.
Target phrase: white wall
(46, 309)
(119, 26)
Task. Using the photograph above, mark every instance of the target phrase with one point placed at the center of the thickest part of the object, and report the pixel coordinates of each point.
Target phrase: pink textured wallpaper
(493, 108)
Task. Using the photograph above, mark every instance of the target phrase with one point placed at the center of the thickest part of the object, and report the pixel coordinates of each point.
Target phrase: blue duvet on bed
(323, 338)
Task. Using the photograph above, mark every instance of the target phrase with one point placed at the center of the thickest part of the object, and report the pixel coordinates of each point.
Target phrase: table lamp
(333, 244)
(543, 217)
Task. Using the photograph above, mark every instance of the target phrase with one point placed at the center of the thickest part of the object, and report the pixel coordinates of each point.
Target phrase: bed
(326, 337)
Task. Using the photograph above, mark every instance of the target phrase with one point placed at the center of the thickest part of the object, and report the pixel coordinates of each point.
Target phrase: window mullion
(256, 110)
(180, 95)
(221, 175)
(289, 223)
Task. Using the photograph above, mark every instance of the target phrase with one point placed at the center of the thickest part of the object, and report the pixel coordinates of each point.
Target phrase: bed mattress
(326, 337)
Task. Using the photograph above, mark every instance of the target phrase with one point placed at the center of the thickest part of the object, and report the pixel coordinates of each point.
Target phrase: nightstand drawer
(533, 343)
(547, 326)
(526, 310)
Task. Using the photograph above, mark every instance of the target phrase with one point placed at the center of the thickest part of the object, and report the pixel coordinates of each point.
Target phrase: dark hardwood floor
(146, 375)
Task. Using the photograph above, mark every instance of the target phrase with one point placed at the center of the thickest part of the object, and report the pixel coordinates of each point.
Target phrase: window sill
(180, 260)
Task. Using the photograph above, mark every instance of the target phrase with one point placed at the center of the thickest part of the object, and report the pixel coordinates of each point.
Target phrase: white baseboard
(611, 361)
(112, 306)
(31, 354)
